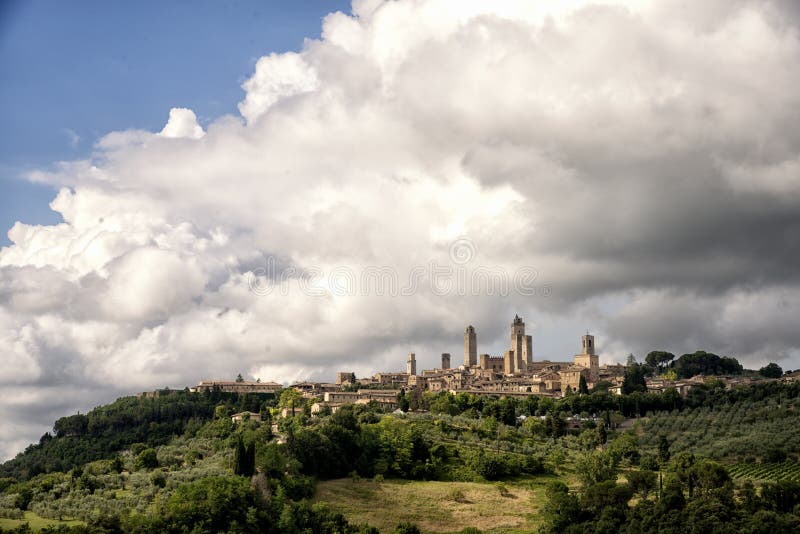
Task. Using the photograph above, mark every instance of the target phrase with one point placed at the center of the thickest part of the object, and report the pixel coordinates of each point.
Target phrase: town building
(246, 416)
(237, 386)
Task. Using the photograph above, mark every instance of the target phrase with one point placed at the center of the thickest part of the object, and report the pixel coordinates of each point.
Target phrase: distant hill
(106, 430)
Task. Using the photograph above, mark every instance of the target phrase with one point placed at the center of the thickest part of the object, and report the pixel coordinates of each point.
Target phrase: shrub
(407, 528)
(774, 455)
(158, 479)
(147, 459)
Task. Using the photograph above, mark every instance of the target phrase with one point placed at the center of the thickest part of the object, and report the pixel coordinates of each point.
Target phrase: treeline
(691, 364)
(220, 504)
(691, 496)
(354, 441)
(106, 430)
(599, 401)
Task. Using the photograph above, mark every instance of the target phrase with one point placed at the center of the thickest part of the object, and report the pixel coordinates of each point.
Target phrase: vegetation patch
(432, 505)
(36, 522)
(767, 471)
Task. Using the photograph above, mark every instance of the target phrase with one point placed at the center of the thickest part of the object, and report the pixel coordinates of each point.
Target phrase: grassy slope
(36, 523)
(433, 505)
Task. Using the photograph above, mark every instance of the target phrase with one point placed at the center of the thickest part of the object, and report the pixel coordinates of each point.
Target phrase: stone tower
(411, 365)
(521, 348)
(470, 347)
(588, 344)
(445, 360)
(588, 357)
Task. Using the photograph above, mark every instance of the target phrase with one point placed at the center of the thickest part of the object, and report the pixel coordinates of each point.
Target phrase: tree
(250, 460)
(641, 482)
(292, 399)
(402, 401)
(659, 359)
(774, 455)
(407, 528)
(561, 509)
(117, 464)
(706, 363)
(771, 370)
(596, 467)
(238, 456)
(557, 425)
(602, 435)
(663, 450)
(781, 496)
(212, 504)
(672, 497)
(147, 459)
(73, 425)
(607, 494)
(634, 379)
(708, 476)
(583, 388)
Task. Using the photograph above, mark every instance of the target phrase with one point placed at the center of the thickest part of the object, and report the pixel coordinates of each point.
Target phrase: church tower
(588, 344)
(588, 357)
(470, 347)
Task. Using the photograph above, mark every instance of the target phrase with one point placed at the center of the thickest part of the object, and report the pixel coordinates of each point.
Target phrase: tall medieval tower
(470, 347)
(588, 357)
(520, 356)
(411, 365)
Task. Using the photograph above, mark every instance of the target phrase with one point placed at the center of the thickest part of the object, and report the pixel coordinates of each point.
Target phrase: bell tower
(588, 357)
(588, 344)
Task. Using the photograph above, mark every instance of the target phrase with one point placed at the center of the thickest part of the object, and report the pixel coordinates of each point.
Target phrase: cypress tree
(239, 458)
(602, 435)
(249, 467)
(583, 388)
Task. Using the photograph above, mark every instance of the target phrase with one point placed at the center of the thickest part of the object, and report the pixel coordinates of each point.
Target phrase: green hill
(176, 462)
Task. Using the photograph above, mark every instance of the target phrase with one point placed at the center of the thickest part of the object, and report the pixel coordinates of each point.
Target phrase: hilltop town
(442, 436)
(514, 374)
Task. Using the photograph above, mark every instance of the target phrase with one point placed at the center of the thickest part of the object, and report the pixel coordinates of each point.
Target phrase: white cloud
(637, 152)
(277, 76)
(182, 123)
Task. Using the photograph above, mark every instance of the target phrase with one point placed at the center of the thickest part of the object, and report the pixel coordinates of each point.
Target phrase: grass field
(36, 523)
(438, 506)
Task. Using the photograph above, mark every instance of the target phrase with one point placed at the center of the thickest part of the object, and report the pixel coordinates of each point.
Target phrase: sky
(288, 190)
(73, 72)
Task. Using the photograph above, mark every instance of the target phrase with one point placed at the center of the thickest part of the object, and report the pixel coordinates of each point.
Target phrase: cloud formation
(639, 158)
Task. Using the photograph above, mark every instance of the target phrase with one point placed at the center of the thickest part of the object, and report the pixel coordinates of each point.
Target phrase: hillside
(106, 430)
(735, 430)
(177, 461)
